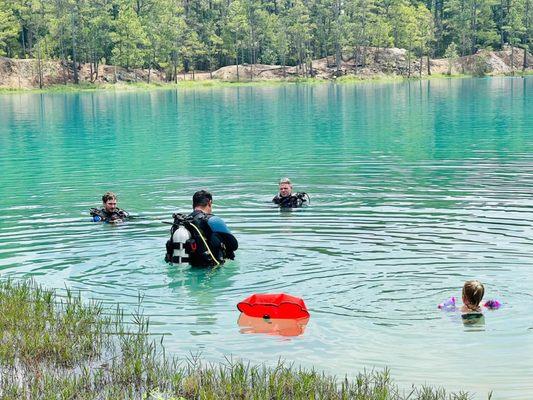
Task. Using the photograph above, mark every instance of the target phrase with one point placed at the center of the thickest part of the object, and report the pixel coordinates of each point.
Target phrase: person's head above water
(473, 292)
(285, 187)
(202, 200)
(109, 200)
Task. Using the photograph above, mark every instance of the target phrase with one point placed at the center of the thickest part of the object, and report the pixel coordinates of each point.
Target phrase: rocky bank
(371, 62)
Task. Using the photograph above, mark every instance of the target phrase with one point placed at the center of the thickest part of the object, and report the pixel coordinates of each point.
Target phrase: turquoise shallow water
(415, 187)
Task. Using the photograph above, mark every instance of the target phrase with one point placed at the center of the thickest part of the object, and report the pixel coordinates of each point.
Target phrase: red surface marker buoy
(274, 305)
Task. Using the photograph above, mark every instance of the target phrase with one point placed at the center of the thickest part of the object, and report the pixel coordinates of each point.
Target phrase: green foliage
(480, 67)
(9, 29)
(184, 35)
(451, 55)
(129, 39)
(299, 28)
(471, 24)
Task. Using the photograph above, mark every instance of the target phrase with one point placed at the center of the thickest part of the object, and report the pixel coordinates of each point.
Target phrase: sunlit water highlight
(415, 187)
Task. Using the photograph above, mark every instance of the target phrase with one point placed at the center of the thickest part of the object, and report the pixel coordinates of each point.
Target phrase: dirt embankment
(374, 62)
(371, 62)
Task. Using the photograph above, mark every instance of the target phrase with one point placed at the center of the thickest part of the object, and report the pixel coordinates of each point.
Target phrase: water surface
(415, 188)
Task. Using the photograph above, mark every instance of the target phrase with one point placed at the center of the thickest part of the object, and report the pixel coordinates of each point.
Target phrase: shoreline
(81, 349)
(218, 83)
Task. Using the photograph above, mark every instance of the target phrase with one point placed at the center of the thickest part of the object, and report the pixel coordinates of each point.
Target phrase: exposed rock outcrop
(369, 62)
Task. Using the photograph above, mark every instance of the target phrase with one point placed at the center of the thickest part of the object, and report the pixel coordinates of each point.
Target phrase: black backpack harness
(198, 246)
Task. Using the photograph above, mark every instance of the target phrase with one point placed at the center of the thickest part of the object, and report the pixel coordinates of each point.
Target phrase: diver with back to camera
(287, 199)
(200, 238)
(109, 212)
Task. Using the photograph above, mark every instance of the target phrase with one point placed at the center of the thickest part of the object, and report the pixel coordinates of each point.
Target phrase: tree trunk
(74, 55)
(253, 56)
(502, 40)
(30, 42)
(23, 40)
(63, 55)
(39, 66)
(409, 62)
(524, 64)
(421, 66)
(512, 59)
(237, 63)
(474, 29)
(337, 57)
(429, 67)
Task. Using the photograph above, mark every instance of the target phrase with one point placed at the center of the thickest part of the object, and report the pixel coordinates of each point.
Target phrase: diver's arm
(97, 215)
(229, 240)
(219, 227)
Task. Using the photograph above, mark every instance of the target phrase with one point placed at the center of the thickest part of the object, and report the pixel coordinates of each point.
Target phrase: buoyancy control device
(189, 242)
(294, 200)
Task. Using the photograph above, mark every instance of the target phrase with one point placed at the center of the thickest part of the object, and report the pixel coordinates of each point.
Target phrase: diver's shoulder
(217, 224)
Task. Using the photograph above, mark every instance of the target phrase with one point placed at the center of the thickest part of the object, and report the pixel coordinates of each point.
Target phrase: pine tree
(129, 40)
(9, 30)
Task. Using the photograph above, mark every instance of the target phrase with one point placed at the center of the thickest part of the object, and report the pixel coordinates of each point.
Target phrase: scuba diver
(110, 212)
(200, 238)
(287, 199)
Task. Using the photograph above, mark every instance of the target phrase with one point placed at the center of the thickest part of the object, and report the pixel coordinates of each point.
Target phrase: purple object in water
(492, 304)
(448, 305)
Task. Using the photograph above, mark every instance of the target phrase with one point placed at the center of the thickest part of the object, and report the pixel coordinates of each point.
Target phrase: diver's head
(285, 187)
(109, 200)
(473, 292)
(202, 200)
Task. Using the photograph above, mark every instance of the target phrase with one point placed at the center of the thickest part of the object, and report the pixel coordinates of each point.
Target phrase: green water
(415, 187)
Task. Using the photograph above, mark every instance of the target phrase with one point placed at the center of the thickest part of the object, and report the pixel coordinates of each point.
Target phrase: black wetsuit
(101, 215)
(293, 200)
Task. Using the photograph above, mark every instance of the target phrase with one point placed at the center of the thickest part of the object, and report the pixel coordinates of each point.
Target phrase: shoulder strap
(96, 211)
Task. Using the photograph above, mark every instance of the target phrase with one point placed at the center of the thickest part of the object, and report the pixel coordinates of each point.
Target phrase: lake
(415, 187)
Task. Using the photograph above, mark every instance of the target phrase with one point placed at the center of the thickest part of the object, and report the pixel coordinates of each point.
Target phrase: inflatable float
(273, 305)
(450, 304)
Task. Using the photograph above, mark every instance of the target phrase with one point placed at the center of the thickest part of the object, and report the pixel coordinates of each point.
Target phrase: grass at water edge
(62, 347)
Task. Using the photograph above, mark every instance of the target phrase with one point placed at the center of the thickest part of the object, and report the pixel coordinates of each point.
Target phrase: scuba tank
(179, 235)
(179, 238)
(189, 243)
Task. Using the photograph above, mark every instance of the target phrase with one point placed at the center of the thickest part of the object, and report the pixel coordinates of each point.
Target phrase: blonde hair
(285, 180)
(473, 292)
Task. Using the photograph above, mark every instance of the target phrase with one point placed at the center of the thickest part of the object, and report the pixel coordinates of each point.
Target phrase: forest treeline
(175, 35)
